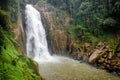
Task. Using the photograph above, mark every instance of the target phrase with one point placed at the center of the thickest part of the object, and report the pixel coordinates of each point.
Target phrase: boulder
(94, 56)
(110, 55)
(101, 60)
(100, 46)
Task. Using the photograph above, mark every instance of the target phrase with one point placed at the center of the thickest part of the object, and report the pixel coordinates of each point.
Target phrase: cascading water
(36, 44)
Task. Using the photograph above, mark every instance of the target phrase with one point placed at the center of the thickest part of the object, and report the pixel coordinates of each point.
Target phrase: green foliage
(76, 29)
(4, 20)
(90, 38)
(1, 39)
(42, 1)
(91, 14)
(14, 66)
(29, 1)
(8, 51)
(109, 22)
(112, 42)
(4, 4)
(12, 6)
(114, 45)
(116, 11)
(85, 7)
(14, 9)
(81, 34)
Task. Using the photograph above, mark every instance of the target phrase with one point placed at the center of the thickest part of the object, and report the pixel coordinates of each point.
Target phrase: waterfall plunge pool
(68, 69)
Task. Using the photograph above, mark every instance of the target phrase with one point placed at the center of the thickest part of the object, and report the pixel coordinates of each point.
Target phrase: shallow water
(62, 68)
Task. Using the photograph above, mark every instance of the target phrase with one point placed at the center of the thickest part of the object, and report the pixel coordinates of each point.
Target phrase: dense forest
(97, 17)
(96, 22)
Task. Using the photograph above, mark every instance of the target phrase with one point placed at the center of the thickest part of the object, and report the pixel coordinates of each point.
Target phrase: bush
(109, 22)
(4, 20)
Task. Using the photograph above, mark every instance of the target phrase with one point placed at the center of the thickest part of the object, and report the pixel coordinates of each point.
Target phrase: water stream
(36, 43)
(53, 67)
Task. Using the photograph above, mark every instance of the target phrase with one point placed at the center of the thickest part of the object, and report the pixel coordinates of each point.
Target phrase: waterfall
(36, 43)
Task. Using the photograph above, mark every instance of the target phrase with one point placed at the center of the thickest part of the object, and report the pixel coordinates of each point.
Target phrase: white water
(36, 44)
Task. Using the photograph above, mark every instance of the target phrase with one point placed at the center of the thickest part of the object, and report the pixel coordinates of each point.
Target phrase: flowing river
(53, 67)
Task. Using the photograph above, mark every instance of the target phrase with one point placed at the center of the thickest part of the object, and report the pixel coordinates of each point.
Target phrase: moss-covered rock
(14, 66)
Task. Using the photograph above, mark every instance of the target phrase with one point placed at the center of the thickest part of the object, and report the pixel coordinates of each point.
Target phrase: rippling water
(63, 68)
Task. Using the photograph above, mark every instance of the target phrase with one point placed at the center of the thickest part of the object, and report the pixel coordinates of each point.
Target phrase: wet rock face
(79, 51)
(55, 27)
(59, 40)
(19, 35)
